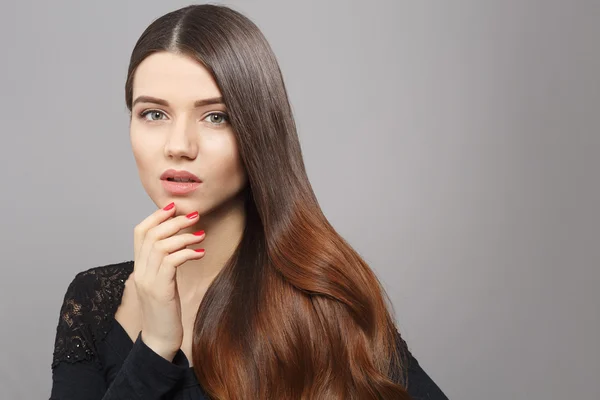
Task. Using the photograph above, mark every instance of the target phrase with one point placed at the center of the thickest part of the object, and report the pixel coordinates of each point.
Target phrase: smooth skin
(158, 253)
(162, 295)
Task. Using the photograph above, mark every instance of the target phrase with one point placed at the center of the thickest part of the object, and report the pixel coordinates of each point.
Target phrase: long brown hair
(296, 313)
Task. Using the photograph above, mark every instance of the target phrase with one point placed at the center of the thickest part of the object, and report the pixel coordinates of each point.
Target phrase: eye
(217, 118)
(152, 113)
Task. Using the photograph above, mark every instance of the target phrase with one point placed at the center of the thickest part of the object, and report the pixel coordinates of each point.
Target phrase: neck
(224, 228)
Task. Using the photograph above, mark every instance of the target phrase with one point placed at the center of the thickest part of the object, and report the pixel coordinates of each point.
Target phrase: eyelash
(225, 117)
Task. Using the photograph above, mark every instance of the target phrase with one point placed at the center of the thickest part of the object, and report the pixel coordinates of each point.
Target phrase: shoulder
(418, 383)
(91, 298)
(105, 278)
(97, 274)
(95, 289)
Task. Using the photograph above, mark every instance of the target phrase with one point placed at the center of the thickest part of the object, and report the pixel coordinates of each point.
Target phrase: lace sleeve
(89, 304)
(74, 341)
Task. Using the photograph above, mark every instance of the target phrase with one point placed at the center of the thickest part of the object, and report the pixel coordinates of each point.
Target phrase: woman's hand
(158, 252)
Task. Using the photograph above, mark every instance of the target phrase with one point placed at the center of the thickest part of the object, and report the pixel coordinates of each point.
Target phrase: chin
(183, 205)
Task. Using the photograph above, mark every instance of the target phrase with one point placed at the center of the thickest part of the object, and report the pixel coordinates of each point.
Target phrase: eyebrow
(197, 103)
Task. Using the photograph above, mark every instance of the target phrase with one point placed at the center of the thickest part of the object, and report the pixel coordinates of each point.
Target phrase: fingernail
(169, 206)
(199, 233)
(192, 215)
(199, 250)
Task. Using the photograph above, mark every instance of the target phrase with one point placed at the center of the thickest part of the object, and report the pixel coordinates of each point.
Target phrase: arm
(77, 371)
(144, 375)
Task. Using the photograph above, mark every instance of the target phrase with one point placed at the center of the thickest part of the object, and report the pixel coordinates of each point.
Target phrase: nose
(181, 141)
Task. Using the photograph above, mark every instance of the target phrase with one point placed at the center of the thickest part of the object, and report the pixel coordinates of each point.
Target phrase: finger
(140, 231)
(158, 233)
(168, 268)
(169, 245)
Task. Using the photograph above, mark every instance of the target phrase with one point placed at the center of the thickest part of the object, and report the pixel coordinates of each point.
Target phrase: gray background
(453, 143)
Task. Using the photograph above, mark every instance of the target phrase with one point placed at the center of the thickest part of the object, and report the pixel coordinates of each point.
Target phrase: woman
(279, 306)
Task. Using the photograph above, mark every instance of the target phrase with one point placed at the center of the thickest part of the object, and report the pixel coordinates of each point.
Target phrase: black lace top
(95, 359)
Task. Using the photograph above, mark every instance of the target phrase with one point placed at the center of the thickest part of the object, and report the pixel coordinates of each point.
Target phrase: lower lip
(180, 187)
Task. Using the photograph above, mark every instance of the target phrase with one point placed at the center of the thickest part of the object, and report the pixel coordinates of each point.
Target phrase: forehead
(173, 77)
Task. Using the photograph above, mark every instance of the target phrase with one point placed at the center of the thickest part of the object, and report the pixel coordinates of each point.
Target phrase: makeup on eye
(221, 114)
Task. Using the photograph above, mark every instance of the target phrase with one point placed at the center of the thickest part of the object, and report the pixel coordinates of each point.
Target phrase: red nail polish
(169, 206)
(199, 233)
(199, 250)
(192, 215)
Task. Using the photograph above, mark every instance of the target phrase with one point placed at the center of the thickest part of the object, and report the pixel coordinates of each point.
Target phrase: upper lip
(171, 173)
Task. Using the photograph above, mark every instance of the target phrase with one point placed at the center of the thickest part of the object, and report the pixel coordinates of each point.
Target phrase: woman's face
(168, 131)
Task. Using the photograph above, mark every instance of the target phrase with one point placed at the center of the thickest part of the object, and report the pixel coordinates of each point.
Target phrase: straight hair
(295, 313)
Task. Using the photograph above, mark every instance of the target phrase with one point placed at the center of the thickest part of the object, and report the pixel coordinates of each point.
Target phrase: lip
(179, 188)
(171, 173)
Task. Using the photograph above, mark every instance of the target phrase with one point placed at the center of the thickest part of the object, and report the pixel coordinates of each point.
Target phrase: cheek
(140, 158)
(143, 151)
(226, 165)
(227, 171)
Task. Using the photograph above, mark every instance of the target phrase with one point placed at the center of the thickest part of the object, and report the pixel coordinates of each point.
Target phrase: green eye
(217, 118)
(154, 113)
